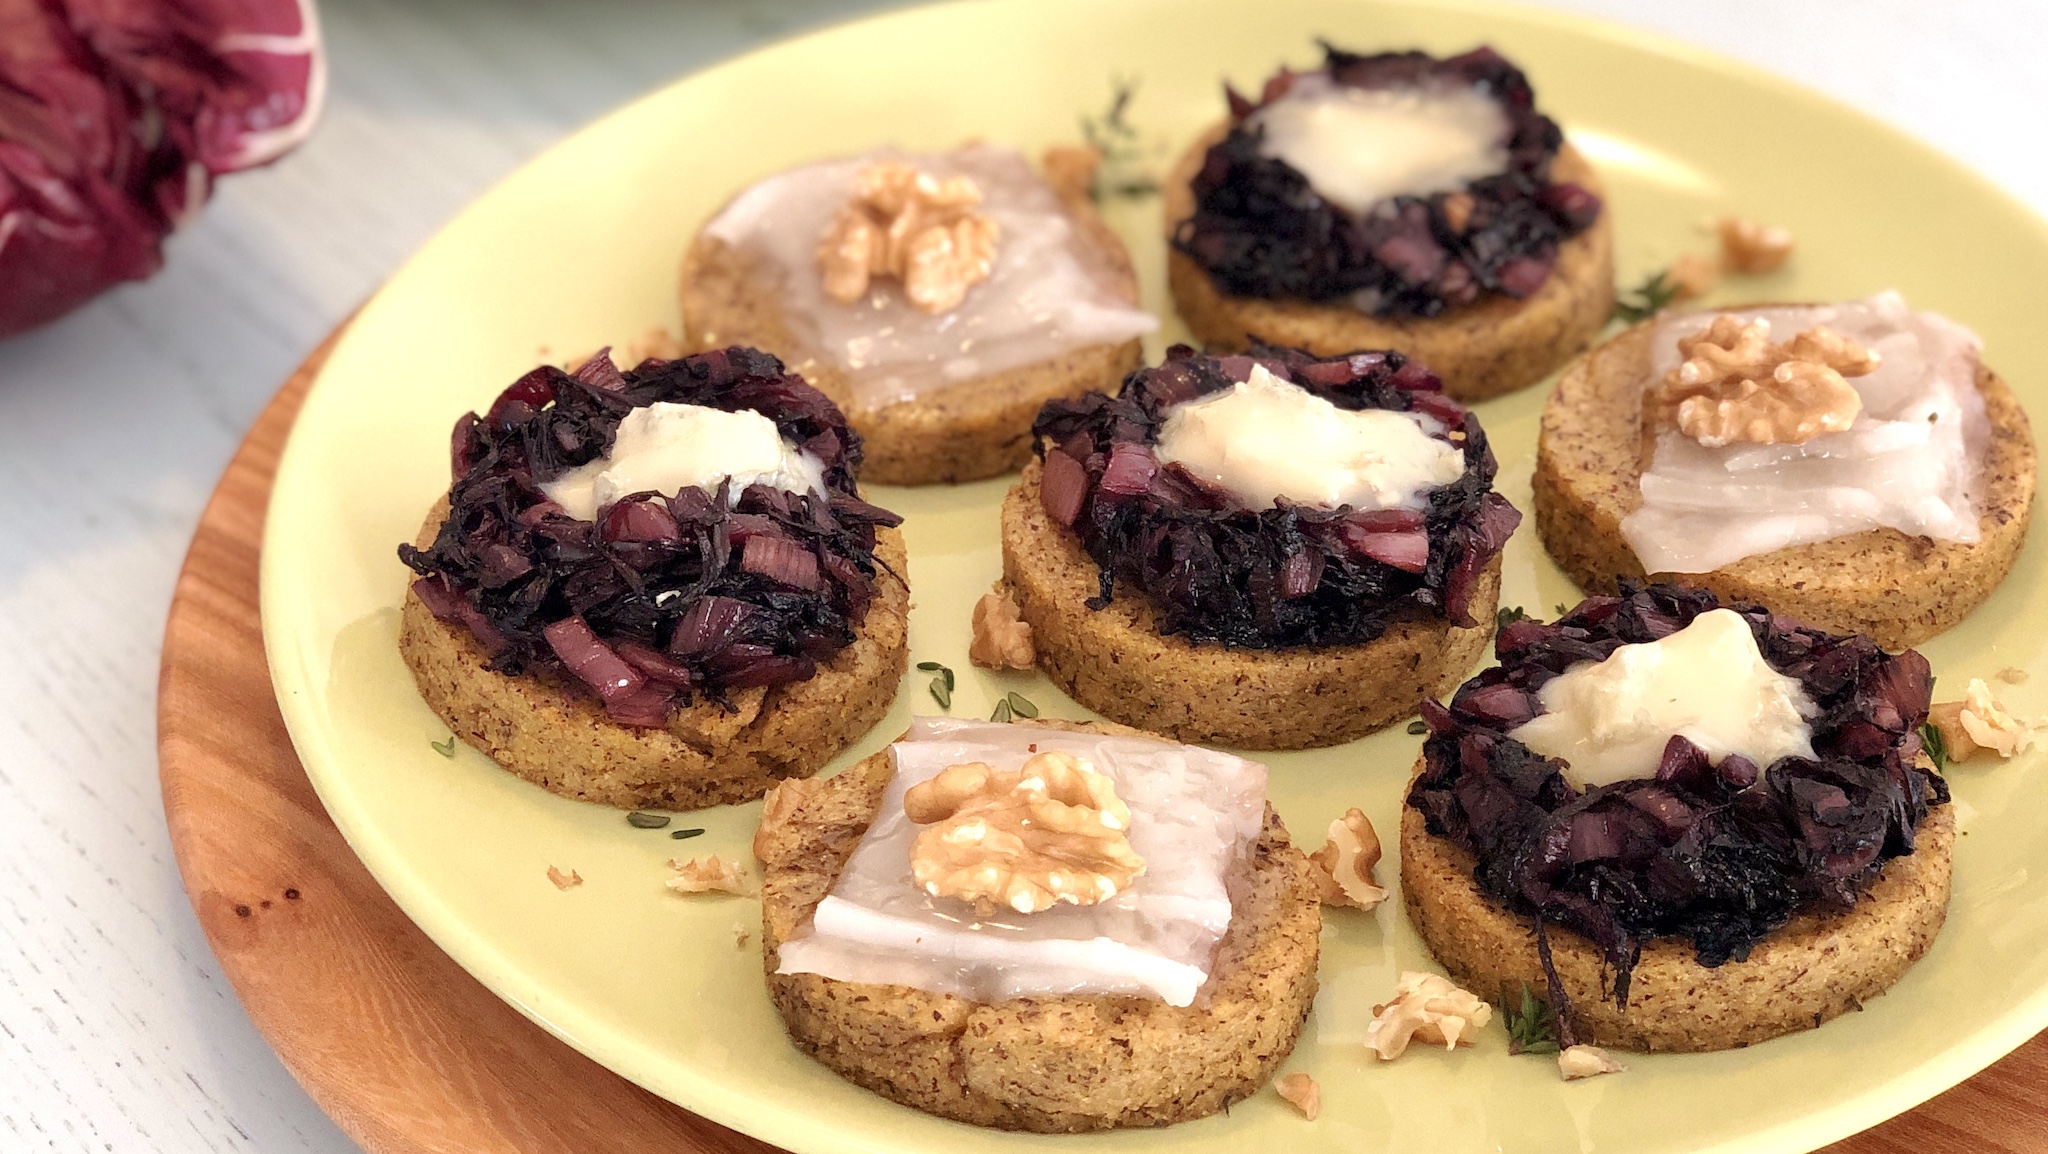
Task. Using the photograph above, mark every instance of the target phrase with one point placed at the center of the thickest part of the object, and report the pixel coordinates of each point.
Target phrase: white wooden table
(117, 1032)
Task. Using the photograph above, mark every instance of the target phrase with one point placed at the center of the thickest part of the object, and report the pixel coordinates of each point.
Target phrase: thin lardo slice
(1813, 968)
(1116, 662)
(1900, 590)
(707, 756)
(1052, 1064)
(964, 432)
(1489, 347)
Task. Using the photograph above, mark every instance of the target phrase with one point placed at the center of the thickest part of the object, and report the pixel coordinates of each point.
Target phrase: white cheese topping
(1051, 291)
(1194, 816)
(1359, 146)
(1913, 460)
(1266, 439)
(1707, 683)
(665, 447)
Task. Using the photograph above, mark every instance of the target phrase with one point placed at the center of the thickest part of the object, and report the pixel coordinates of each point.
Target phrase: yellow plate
(580, 249)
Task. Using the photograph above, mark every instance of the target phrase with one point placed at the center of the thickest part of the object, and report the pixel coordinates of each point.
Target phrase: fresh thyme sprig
(1643, 301)
(1934, 744)
(1532, 1028)
(1508, 616)
(1122, 172)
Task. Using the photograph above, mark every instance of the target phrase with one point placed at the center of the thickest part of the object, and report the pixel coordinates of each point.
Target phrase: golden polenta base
(1053, 1064)
(1900, 590)
(707, 756)
(1806, 972)
(1494, 345)
(963, 432)
(1117, 663)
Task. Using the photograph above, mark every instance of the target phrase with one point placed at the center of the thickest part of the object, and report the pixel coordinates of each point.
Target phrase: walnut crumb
(1752, 247)
(705, 875)
(911, 226)
(1575, 1062)
(1978, 722)
(2012, 675)
(564, 881)
(741, 935)
(1429, 1008)
(1692, 276)
(1030, 838)
(1736, 384)
(1002, 638)
(1301, 1092)
(1345, 864)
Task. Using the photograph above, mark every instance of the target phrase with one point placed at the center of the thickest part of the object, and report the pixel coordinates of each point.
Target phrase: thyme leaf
(1418, 727)
(942, 692)
(639, 819)
(1003, 712)
(1021, 705)
(444, 748)
(1532, 1028)
(929, 666)
(1643, 301)
(681, 834)
(1934, 744)
(1122, 171)
(1509, 616)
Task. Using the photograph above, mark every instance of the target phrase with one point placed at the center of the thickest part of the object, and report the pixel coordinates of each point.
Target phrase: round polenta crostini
(1853, 466)
(1695, 826)
(1159, 972)
(657, 587)
(1271, 550)
(939, 298)
(1394, 201)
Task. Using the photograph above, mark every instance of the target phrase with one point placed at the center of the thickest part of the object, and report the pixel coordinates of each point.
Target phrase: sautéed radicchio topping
(661, 598)
(1721, 855)
(1268, 578)
(1261, 231)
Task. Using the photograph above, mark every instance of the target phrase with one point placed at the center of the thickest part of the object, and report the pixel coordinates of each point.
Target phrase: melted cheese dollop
(1912, 461)
(1265, 439)
(1708, 683)
(1360, 146)
(1194, 816)
(665, 447)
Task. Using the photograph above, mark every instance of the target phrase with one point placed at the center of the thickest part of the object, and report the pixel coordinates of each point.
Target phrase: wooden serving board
(407, 1052)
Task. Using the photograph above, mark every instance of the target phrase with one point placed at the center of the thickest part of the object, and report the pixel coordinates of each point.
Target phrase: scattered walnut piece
(1345, 863)
(1301, 1092)
(1458, 208)
(1977, 723)
(1426, 1007)
(710, 874)
(1692, 276)
(1002, 639)
(1575, 1062)
(564, 881)
(1736, 384)
(1749, 246)
(780, 804)
(1052, 831)
(2012, 675)
(741, 935)
(1070, 169)
(914, 227)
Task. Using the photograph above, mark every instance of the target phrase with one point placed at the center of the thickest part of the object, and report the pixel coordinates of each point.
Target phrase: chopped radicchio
(1721, 855)
(1261, 230)
(1293, 575)
(661, 597)
(115, 117)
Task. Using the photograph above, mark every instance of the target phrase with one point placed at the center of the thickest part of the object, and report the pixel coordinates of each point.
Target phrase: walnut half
(1736, 384)
(1427, 1008)
(1345, 863)
(1052, 831)
(914, 227)
(1977, 723)
(1002, 638)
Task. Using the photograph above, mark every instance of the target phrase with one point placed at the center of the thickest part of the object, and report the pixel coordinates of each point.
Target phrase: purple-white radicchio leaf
(116, 116)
